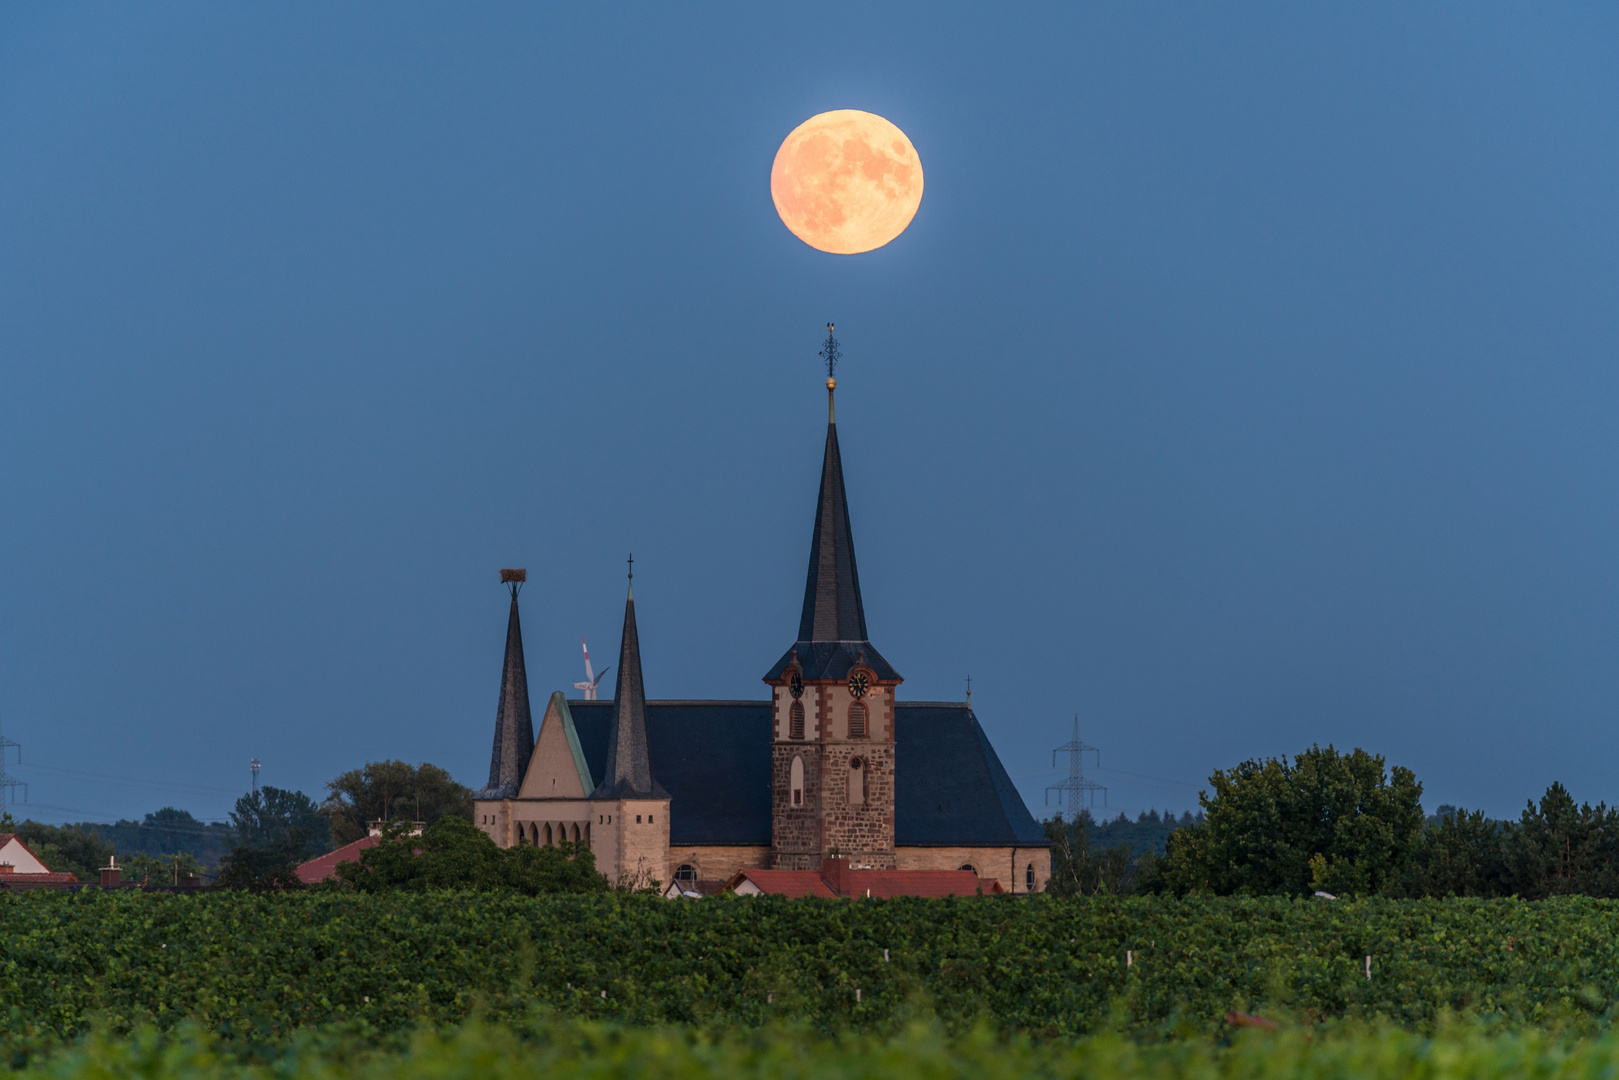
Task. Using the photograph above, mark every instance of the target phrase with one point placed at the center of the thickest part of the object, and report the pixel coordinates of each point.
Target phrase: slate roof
(832, 628)
(713, 757)
(514, 726)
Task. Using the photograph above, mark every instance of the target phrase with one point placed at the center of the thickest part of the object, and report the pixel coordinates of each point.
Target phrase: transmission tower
(1073, 792)
(8, 783)
(253, 767)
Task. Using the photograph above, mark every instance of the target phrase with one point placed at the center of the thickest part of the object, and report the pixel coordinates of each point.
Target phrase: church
(832, 767)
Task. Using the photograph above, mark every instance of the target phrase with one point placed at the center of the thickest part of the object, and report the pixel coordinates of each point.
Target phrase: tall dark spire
(514, 726)
(832, 607)
(832, 628)
(628, 774)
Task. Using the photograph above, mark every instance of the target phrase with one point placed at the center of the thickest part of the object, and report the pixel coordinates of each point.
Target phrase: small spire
(629, 764)
(514, 724)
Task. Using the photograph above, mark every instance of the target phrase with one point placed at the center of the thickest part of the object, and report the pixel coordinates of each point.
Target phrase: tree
(1325, 821)
(71, 849)
(1077, 869)
(389, 790)
(455, 854)
(1558, 848)
(160, 870)
(287, 821)
(1460, 853)
(261, 869)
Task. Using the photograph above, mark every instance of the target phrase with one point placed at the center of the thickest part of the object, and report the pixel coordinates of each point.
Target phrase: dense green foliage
(546, 1048)
(260, 966)
(1324, 821)
(455, 854)
(273, 817)
(385, 790)
(1341, 824)
(167, 832)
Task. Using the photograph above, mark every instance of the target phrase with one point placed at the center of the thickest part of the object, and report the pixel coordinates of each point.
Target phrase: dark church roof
(514, 726)
(832, 628)
(713, 757)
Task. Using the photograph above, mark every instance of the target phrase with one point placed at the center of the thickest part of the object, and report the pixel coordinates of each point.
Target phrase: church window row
(795, 721)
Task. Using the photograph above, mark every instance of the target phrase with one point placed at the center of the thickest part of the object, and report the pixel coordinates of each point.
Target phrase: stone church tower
(832, 705)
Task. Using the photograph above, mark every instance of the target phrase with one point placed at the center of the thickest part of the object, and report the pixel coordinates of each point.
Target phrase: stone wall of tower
(795, 831)
(863, 832)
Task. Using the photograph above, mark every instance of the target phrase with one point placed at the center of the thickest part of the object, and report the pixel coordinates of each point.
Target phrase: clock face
(859, 684)
(795, 685)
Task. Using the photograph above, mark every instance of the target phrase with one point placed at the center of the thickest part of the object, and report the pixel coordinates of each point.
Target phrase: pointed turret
(514, 726)
(628, 774)
(832, 628)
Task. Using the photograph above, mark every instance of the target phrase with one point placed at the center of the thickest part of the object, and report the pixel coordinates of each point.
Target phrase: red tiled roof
(325, 867)
(883, 884)
(792, 883)
(31, 881)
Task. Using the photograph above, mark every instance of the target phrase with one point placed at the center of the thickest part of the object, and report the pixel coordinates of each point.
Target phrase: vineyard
(579, 1050)
(257, 968)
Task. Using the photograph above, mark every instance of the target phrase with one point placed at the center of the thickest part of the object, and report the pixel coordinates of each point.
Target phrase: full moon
(846, 181)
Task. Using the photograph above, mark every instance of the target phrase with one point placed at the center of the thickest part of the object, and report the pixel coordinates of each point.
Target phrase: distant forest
(1148, 832)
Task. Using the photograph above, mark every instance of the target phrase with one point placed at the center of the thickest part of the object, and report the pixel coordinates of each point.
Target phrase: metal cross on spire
(831, 353)
(1072, 792)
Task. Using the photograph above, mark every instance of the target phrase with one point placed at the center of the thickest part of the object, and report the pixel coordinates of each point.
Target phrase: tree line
(1345, 824)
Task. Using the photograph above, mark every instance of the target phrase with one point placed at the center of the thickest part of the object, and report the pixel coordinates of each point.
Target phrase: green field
(581, 1050)
(262, 966)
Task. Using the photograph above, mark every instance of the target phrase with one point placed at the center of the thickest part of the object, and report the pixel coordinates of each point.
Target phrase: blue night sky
(1247, 380)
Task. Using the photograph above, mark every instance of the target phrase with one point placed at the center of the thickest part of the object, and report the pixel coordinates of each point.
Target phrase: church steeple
(832, 607)
(514, 726)
(628, 774)
(832, 627)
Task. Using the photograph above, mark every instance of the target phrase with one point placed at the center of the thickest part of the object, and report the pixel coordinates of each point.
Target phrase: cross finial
(631, 561)
(969, 690)
(831, 354)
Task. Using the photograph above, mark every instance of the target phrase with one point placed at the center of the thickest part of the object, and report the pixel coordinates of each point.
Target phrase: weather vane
(831, 354)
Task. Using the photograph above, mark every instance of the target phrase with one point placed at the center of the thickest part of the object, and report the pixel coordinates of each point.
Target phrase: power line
(1072, 792)
(134, 780)
(8, 783)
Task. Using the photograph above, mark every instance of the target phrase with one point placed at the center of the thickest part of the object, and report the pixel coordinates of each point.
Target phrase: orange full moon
(846, 181)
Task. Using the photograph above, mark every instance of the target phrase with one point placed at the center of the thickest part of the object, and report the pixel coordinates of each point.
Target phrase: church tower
(832, 697)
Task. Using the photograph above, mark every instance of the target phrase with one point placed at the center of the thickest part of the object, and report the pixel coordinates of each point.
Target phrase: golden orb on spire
(831, 384)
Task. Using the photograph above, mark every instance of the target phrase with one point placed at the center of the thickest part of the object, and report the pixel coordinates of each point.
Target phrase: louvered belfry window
(857, 720)
(795, 721)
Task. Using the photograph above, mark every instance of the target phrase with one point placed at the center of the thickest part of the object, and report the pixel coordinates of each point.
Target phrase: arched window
(857, 782)
(686, 875)
(1028, 878)
(795, 723)
(534, 834)
(548, 834)
(857, 720)
(576, 833)
(795, 780)
(968, 866)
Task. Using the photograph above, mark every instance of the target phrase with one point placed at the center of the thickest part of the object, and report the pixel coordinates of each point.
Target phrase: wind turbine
(591, 681)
